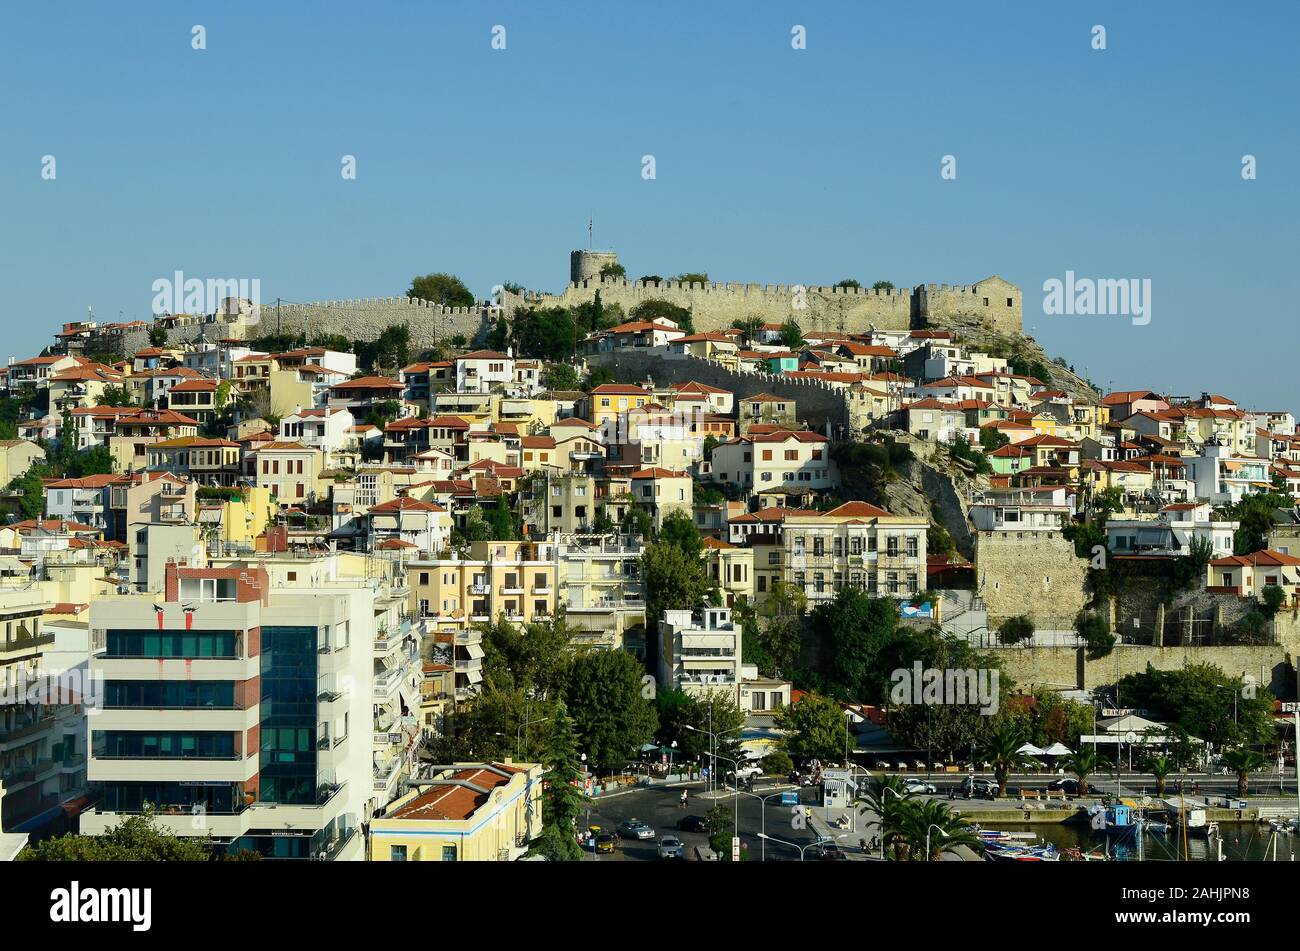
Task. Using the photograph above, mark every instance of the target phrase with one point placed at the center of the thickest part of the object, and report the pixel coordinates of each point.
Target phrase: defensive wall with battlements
(992, 303)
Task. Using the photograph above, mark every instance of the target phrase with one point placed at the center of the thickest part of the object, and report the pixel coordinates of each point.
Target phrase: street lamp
(927, 838)
(881, 818)
(713, 743)
(762, 814)
(801, 848)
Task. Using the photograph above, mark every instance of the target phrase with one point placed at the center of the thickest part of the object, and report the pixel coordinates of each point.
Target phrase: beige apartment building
(859, 545)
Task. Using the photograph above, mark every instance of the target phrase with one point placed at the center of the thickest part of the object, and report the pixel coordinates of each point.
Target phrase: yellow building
(235, 522)
(472, 812)
(732, 569)
(607, 402)
(511, 579)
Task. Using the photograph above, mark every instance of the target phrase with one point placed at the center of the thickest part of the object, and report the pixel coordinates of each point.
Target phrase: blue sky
(773, 164)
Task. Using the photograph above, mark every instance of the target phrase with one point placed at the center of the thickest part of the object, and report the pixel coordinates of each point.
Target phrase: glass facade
(215, 798)
(143, 744)
(170, 694)
(288, 716)
(215, 644)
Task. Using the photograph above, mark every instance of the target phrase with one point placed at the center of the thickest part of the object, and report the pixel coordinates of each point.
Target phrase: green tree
(885, 800)
(991, 439)
(563, 799)
(1016, 629)
(855, 629)
(722, 828)
(777, 763)
(157, 336)
(693, 277)
(561, 376)
(441, 288)
(1082, 763)
(883, 286)
(1243, 761)
(848, 282)
(931, 822)
(1160, 767)
(791, 334)
(609, 697)
(136, 839)
(613, 270)
(1096, 634)
(815, 728)
(674, 578)
(1201, 701)
(116, 396)
(1001, 749)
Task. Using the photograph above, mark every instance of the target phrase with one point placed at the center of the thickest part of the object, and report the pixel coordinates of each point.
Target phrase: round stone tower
(586, 265)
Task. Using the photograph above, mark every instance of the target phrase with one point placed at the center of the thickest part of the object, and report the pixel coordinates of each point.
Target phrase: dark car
(693, 824)
(830, 852)
(1070, 786)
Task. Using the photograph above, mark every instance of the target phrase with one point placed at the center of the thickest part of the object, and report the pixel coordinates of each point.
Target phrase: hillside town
(299, 596)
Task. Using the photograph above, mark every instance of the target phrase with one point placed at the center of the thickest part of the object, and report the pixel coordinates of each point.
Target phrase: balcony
(386, 681)
(25, 728)
(480, 589)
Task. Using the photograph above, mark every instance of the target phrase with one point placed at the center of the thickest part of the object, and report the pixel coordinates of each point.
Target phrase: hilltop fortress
(992, 304)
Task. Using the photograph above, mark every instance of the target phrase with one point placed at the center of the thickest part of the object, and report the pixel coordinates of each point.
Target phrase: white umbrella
(1057, 749)
(1029, 749)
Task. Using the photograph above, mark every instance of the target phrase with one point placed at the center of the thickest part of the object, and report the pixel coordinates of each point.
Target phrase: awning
(474, 650)
(1057, 749)
(1029, 749)
(474, 676)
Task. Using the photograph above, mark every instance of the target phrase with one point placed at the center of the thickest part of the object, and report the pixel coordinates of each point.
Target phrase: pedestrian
(683, 800)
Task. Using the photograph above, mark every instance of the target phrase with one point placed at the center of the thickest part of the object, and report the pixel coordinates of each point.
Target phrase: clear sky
(772, 164)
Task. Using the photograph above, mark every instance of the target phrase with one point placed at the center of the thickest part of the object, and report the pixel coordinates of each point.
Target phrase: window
(397, 853)
(449, 853)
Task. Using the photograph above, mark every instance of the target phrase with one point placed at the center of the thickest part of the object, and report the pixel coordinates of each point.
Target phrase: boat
(1008, 852)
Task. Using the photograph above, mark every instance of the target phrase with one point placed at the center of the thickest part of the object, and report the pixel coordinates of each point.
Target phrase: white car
(918, 787)
(745, 772)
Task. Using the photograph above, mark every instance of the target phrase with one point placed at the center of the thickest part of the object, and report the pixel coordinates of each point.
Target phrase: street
(658, 806)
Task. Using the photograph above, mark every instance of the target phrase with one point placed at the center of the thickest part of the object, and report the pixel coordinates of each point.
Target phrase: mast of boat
(1182, 819)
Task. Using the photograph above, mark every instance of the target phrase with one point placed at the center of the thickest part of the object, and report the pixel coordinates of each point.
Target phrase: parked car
(1071, 786)
(670, 847)
(693, 824)
(974, 787)
(919, 786)
(635, 829)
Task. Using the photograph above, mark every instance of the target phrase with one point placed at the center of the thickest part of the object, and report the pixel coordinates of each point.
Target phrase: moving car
(746, 772)
(670, 847)
(693, 824)
(830, 852)
(918, 786)
(1071, 786)
(981, 788)
(635, 829)
(606, 842)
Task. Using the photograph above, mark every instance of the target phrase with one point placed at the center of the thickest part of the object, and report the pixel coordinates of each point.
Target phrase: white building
(700, 652)
(483, 370)
(1171, 533)
(325, 429)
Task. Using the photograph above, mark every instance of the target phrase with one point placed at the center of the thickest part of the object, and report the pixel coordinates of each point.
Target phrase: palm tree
(1243, 761)
(1082, 763)
(931, 820)
(1160, 767)
(1002, 749)
(885, 796)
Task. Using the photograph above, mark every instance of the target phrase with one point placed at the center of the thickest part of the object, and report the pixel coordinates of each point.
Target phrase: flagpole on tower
(590, 245)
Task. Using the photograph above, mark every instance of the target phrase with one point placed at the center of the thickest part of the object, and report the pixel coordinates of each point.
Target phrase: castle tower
(586, 265)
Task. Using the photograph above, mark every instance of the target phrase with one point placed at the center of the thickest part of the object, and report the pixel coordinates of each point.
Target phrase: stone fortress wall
(993, 303)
